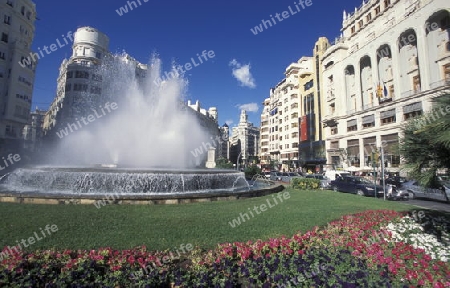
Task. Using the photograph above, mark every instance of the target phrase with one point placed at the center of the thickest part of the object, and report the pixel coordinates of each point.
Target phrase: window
(388, 120)
(360, 24)
(81, 74)
(387, 117)
(7, 19)
(353, 30)
(412, 115)
(2, 55)
(352, 127)
(416, 83)
(377, 10)
(68, 87)
(80, 87)
(69, 74)
(447, 72)
(22, 11)
(308, 85)
(334, 130)
(29, 15)
(9, 2)
(369, 17)
(368, 121)
(387, 3)
(5, 37)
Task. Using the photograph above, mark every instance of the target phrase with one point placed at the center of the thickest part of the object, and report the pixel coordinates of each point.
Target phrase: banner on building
(304, 128)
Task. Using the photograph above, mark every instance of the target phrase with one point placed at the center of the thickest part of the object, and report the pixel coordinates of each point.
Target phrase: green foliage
(426, 144)
(223, 163)
(305, 183)
(252, 171)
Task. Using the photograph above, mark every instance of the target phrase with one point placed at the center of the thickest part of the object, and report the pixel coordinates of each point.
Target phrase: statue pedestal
(211, 161)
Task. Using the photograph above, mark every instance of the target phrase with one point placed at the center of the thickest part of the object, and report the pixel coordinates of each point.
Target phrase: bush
(223, 163)
(305, 183)
(252, 171)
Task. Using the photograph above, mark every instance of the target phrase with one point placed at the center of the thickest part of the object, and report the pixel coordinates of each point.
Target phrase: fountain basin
(82, 185)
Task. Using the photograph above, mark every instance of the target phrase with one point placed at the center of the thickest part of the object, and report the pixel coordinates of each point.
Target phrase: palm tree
(426, 144)
(441, 127)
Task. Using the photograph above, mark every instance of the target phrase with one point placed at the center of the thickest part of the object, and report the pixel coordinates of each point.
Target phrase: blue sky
(178, 30)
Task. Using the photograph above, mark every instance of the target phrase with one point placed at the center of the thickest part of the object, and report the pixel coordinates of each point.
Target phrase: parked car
(275, 176)
(331, 174)
(416, 191)
(324, 181)
(356, 185)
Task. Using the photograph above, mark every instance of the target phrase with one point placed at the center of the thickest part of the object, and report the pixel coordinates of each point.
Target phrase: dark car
(356, 185)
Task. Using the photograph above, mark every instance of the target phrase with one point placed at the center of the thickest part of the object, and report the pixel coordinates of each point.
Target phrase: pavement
(429, 204)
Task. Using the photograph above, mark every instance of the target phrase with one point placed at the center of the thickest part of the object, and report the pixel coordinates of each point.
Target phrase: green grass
(161, 227)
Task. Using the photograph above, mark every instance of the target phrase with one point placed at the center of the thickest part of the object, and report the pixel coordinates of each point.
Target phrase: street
(428, 204)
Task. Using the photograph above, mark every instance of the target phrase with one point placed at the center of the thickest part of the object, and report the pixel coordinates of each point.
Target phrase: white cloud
(249, 107)
(229, 122)
(242, 74)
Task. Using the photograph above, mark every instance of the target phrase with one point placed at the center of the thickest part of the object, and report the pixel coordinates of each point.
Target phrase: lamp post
(374, 173)
(382, 172)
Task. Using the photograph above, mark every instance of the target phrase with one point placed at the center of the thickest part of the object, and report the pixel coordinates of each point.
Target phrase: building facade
(392, 59)
(16, 75)
(244, 142)
(33, 131)
(291, 129)
(81, 82)
(279, 123)
(311, 149)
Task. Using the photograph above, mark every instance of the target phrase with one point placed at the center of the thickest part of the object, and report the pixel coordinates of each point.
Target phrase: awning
(387, 114)
(412, 107)
(351, 123)
(368, 119)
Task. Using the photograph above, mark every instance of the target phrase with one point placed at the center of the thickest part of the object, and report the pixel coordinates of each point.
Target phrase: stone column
(211, 161)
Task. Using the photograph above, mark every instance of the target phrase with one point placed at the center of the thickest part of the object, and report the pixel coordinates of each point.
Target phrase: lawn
(161, 227)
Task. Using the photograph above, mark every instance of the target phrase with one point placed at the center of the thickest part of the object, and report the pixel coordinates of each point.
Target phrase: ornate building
(392, 59)
(17, 70)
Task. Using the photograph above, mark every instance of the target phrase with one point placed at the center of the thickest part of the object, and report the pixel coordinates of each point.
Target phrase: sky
(246, 62)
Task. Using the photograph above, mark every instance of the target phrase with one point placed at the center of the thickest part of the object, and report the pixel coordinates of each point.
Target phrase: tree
(252, 171)
(426, 143)
(223, 163)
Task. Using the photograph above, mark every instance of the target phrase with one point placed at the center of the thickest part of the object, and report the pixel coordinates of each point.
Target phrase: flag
(379, 90)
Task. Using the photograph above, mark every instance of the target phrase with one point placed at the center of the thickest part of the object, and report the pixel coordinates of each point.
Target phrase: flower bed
(369, 249)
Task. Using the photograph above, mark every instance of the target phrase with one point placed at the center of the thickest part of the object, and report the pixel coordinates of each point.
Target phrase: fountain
(136, 144)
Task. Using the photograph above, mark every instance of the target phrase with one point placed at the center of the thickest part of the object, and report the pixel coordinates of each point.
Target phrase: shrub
(252, 171)
(305, 183)
(223, 163)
